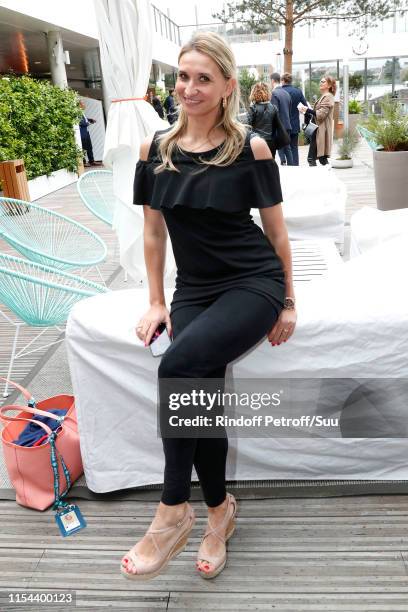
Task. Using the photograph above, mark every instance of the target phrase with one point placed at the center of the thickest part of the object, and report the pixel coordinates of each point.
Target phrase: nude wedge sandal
(218, 562)
(175, 546)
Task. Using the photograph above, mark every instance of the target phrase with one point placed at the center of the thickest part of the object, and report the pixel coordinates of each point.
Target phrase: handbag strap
(7, 419)
(26, 394)
(30, 409)
(59, 504)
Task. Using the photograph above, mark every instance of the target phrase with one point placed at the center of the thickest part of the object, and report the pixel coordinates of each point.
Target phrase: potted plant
(355, 114)
(345, 149)
(390, 130)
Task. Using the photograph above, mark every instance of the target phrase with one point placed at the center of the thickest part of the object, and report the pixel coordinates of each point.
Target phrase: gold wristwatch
(289, 303)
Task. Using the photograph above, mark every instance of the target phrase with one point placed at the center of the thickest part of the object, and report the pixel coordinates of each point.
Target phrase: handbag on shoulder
(309, 129)
(42, 461)
(280, 136)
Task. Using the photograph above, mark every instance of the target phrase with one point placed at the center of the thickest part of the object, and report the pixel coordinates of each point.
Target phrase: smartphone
(160, 341)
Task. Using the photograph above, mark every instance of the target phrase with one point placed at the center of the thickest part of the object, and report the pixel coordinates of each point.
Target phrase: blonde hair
(260, 92)
(218, 50)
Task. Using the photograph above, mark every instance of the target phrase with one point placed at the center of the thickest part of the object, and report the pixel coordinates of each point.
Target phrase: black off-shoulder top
(245, 184)
(216, 244)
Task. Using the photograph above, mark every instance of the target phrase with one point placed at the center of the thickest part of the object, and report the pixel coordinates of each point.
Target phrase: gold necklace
(197, 147)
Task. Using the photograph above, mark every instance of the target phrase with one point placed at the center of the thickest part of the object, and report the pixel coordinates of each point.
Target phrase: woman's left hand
(284, 327)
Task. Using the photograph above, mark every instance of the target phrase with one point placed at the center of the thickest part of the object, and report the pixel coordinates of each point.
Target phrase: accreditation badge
(70, 520)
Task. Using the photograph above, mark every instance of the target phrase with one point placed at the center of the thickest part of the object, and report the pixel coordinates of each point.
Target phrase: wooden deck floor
(294, 555)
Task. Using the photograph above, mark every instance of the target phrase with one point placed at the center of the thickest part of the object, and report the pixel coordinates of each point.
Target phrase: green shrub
(161, 94)
(36, 125)
(390, 129)
(355, 107)
(355, 84)
(347, 144)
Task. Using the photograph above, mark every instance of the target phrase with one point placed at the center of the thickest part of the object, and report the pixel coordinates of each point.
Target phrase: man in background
(170, 107)
(157, 105)
(282, 100)
(86, 137)
(297, 96)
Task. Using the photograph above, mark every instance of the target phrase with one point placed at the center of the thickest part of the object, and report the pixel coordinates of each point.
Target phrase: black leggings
(312, 154)
(207, 336)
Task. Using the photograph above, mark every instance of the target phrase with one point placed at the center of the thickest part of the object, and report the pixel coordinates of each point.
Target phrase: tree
(388, 68)
(246, 82)
(262, 15)
(356, 83)
(404, 75)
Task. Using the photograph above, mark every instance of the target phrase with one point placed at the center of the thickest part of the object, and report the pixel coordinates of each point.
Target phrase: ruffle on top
(245, 184)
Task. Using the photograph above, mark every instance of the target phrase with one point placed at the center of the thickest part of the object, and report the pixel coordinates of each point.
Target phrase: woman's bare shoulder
(259, 148)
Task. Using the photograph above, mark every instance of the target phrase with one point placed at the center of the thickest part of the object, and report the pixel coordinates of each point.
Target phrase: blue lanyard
(58, 503)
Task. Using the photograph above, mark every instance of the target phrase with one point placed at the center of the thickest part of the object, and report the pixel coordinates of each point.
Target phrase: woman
(263, 116)
(200, 178)
(322, 114)
(157, 105)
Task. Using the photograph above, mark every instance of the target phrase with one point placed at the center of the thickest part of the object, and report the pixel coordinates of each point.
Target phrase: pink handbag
(30, 468)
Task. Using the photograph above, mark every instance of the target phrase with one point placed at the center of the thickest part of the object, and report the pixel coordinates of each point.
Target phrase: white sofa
(351, 324)
(370, 227)
(314, 201)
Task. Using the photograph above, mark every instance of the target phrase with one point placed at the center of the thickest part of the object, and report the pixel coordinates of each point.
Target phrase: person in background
(85, 136)
(282, 100)
(263, 115)
(297, 96)
(170, 107)
(157, 105)
(322, 114)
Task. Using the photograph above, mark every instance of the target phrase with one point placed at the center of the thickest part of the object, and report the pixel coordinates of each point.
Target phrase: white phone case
(161, 344)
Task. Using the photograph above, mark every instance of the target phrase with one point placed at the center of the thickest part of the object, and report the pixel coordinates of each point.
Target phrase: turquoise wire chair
(49, 238)
(40, 296)
(96, 191)
(368, 137)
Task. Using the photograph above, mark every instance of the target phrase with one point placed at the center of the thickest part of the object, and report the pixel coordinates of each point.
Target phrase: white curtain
(125, 37)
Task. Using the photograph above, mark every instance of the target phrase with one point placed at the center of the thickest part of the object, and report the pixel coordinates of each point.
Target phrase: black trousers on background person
(294, 143)
(285, 153)
(206, 337)
(312, 154)
(87, 146)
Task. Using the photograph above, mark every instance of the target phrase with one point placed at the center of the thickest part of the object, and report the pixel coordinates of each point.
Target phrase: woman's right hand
(150, 321)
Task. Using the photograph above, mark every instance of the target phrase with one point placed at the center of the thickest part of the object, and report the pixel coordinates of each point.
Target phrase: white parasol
(125, 37)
